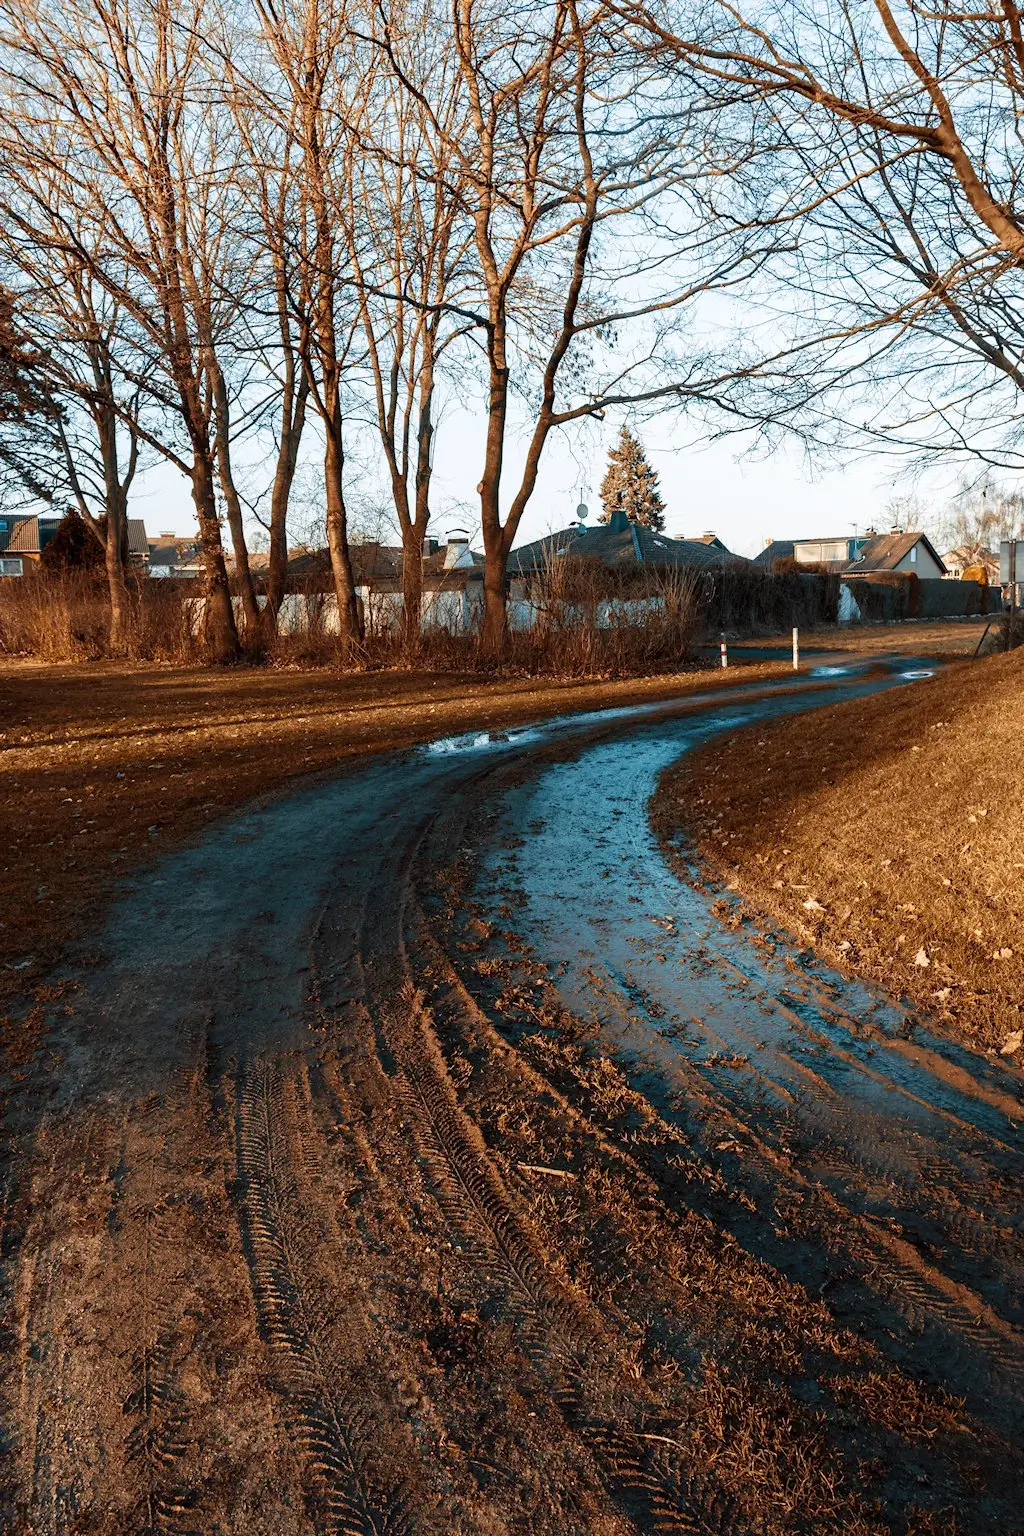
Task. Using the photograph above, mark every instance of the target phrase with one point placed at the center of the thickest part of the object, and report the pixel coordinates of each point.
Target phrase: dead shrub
(590, 620)
(57, 616)
(64, 615)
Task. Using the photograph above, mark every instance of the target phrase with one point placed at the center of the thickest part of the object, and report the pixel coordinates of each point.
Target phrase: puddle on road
(480, 741)
(890, 1113)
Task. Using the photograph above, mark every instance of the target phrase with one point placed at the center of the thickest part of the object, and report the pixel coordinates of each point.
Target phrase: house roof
(712, 540)
(885, 551)
(183, 554)
(138, 544)
(776, 549)
(24, 537)
(617, 547)
(380, 566)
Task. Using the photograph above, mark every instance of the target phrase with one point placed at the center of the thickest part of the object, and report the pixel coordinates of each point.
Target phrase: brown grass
(901, 816)
(65, 616)
(925, 637)
(104, 764)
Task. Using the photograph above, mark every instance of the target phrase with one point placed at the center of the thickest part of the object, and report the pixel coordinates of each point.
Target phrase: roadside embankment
(886, 832)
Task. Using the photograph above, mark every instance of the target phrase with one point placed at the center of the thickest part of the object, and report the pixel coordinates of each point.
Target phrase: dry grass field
(888, 833)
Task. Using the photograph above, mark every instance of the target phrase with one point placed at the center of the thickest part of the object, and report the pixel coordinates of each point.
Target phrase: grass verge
(887, 833)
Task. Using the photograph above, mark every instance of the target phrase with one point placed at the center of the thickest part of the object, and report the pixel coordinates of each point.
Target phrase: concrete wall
(456, 609)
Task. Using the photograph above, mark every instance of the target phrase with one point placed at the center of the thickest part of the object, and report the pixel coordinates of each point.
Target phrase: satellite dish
(581, 511)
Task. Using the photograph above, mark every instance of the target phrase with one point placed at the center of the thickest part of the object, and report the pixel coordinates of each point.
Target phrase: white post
(725, 653)
(796, 649)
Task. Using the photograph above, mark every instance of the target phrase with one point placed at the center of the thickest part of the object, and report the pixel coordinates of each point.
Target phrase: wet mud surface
(426, 1152)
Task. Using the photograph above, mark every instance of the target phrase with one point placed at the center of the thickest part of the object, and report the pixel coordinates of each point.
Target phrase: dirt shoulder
(103, 766)
(888, 833)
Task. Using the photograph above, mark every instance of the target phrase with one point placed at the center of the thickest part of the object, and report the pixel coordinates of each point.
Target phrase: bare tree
(319, 94)
(83, 452)
(409, 240)
(28, 409)
(271, 180)
(980, 516)
(100, 480)
(897, 133)
(107, 107)
(586, 190)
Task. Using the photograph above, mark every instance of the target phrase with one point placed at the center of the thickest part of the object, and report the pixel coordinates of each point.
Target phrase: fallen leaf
(810, 905)
(1012, 1043)
(942, 994)
(1002, 954)
(921, 960)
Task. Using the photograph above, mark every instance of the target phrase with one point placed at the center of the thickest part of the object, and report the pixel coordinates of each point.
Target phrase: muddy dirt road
(422, 1153)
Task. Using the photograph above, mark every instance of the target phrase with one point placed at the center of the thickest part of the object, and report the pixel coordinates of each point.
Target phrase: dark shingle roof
(380, 566)
(617, 548)
(778, 549)
(138, 544)
(885, 551)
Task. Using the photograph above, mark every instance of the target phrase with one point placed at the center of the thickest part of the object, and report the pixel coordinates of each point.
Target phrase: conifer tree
(631, 485)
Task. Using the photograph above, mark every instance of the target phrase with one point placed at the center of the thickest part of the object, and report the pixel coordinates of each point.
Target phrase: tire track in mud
(161, 1438)
(889, 1266)
(906, 1274)
(916, 1288)
(942, 1286)
(332, 1396)
(940, 1194)
(564, 1341)
(146, 1472)
(468, 1027)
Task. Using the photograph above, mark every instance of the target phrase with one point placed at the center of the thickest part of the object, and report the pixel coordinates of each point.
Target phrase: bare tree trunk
(243, 575)
(293, 420)
(493, 634)
(349, 627)
(220, 615)
(116, 498)
(412, 587)
(495, 545)
(412, 543)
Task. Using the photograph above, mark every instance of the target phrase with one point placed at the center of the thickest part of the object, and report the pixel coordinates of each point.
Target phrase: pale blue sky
(709, 486)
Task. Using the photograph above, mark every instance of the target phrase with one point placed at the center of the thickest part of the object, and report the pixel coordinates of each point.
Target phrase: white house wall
(924, 566)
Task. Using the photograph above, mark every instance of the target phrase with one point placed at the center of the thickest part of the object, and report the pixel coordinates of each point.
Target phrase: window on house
(913, 555)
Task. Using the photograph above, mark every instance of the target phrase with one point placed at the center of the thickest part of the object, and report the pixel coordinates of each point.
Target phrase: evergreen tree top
(630, 485)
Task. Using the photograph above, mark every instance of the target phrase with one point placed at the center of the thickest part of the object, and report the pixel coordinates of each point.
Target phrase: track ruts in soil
(335, 1422)
(411, 1253)
(573, 1356)
(941, 1315)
